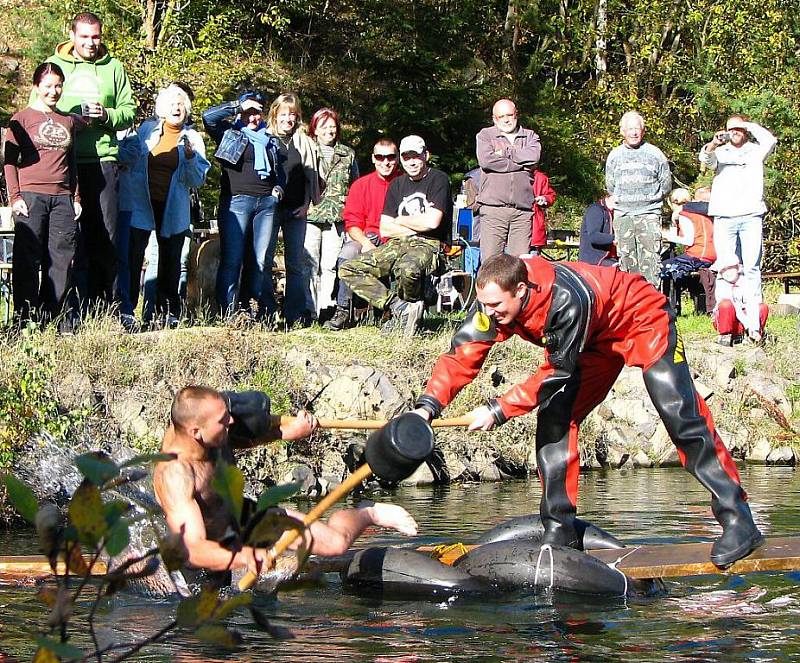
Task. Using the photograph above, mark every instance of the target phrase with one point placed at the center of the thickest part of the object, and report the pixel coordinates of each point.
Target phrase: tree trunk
(600, 43)
(510, 36)
(150, 23)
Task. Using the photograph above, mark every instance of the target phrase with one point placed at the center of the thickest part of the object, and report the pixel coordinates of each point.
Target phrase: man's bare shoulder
(174, 479)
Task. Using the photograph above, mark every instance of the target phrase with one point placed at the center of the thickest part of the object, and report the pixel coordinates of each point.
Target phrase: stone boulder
(781, 456)
(359, 392)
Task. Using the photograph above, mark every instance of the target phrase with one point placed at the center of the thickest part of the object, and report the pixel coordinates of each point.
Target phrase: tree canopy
(434, 67)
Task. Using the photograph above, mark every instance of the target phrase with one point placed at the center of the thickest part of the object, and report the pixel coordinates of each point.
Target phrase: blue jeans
(296, 302)
(246, 222)
(150, 285)
(741, 236)
(123, 271)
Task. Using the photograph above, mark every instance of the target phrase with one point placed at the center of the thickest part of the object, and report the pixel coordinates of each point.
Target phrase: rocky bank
(124, 385)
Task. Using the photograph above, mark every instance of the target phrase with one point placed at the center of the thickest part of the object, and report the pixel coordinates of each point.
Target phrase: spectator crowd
(95, 199)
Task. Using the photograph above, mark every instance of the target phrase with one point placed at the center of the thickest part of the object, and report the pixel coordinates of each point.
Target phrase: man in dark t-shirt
(415, 222)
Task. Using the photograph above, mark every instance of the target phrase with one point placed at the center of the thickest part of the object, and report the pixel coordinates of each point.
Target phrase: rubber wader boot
(740, 536)
(556, 509)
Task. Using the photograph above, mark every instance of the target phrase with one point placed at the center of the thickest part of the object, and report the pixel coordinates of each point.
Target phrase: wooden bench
(789, 279)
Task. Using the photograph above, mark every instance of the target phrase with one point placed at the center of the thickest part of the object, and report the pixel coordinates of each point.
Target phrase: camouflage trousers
(407, 260)
(638, 240)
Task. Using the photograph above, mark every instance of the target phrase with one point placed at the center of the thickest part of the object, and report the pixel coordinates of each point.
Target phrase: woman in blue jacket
(251, 186)
(165, 159)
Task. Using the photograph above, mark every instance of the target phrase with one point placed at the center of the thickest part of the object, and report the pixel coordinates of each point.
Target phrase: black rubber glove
(250, 412)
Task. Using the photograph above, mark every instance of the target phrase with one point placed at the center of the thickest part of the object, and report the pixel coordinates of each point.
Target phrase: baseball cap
(735, 123)
(251, 94)
(412, 144)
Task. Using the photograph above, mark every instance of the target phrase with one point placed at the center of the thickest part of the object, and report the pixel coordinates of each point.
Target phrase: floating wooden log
(20, 567)
(664, 560)
(675, 560)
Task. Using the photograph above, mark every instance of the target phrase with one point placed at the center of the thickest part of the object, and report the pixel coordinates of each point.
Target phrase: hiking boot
(339, 321)
(129, 323)
(412, 318)
(405, 317)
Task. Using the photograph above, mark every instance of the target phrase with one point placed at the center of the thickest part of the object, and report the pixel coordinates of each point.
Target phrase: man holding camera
(737, 196)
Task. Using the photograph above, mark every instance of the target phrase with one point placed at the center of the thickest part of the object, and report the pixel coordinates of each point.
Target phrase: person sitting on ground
(597, 234)
(737, 311)
(206, 426)
(362, 221)
(415, 222)
(544, 196)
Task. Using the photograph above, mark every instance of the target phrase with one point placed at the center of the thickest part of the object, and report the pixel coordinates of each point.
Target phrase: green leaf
(197, 609)
(228, 482)
(61, 649)
(269, 527)
(21, 497)
(218, 635)
(114, 510)
(97, 467)
(276, 494)
(143, 459)
(236, 601)
(87, 514)
(117, 538)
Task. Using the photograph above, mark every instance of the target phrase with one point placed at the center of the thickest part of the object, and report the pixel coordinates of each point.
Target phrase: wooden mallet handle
(288, 537)
(374, 424)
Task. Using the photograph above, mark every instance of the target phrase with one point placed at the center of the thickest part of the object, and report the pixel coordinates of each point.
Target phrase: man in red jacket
(591, 322)
(362, 219)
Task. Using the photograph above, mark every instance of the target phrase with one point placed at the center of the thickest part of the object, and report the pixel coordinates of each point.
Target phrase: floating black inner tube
(401, 572)
(530, 527)
(510, 558)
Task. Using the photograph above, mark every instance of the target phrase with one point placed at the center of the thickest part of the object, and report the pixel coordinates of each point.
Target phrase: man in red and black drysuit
(591, 322)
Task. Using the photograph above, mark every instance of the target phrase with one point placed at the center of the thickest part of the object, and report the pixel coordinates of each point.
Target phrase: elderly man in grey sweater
(638, 176)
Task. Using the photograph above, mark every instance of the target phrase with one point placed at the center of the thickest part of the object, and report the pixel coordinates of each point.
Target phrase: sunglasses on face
(385, 157)
(408, 156)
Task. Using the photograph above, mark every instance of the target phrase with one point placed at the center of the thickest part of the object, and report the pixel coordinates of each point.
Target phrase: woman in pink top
(42, 189)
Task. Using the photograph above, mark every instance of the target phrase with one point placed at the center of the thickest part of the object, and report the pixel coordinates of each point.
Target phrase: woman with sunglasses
(41, 177)
(253, 182)
(325, 229)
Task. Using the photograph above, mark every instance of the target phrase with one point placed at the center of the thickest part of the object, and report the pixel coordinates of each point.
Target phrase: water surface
(709, 618)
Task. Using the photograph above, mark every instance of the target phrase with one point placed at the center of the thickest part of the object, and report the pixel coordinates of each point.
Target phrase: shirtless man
(199, 436)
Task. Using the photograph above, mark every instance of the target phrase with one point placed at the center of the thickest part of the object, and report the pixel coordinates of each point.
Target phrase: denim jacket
(232, 143)
(134, 188)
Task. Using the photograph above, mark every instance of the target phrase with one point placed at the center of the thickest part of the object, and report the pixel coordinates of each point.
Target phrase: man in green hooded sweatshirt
(96, 87)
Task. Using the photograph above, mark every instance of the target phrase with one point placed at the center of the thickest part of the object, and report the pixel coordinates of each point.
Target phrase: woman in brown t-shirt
(42, 189)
